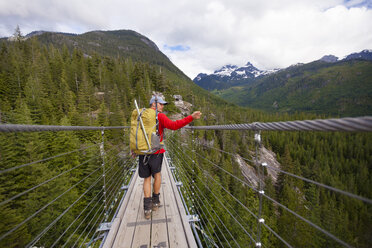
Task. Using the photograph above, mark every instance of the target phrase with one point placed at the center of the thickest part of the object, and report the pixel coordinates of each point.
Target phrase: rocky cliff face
(249, 171)
(183, 106)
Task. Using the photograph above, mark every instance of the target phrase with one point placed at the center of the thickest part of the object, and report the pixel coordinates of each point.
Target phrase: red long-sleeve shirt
(165, 122)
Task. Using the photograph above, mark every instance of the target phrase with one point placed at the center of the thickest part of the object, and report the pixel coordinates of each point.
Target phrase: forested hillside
(56, 85)
(337, 89)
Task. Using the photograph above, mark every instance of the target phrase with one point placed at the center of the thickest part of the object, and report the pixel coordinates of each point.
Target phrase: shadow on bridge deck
(168, 226)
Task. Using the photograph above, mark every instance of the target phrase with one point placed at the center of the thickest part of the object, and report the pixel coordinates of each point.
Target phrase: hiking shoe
(155, 206)
(155, 201)
(147, 205)
(147, 214)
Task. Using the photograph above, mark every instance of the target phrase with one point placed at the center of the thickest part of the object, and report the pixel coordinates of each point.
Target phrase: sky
(200, 36)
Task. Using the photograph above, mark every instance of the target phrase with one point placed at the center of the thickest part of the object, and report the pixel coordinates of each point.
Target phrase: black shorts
(149, 164)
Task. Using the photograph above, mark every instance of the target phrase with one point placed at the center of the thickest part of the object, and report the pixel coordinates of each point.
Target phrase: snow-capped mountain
(230, 75)
(365, 55)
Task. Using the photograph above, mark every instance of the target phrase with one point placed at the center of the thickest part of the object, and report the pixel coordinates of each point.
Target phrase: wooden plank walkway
(168, 226)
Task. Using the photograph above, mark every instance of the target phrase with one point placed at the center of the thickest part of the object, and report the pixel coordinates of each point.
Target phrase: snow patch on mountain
(226, 70)
(233, 72)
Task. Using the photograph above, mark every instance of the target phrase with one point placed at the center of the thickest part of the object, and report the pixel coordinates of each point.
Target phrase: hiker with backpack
(147, 129)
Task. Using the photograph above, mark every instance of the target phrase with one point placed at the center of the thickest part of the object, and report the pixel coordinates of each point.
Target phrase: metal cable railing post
(257, 138)
(102, 149)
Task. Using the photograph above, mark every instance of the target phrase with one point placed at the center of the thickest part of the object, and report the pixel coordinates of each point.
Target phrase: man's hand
(196, 115)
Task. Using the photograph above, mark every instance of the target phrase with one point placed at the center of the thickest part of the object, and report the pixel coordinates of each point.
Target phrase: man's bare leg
(157, 182)
(156, 193)
(147, 200)
(147, 186)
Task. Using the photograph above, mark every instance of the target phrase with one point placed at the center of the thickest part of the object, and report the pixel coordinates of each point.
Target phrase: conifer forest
(55, 84)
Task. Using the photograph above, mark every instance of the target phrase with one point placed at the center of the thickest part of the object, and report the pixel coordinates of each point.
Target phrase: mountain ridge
(229, 72)
(342, 88)
(301, 87)
(113, 43)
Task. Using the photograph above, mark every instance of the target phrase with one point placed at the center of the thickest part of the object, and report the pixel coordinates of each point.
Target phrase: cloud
(203, 35)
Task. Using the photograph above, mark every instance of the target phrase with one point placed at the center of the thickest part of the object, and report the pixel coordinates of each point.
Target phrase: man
(150, 165)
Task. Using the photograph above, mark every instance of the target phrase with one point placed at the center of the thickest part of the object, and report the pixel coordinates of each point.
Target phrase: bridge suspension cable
(214, 148)
(117, 176)
(240, 203)
(284, 207)
(111, 195)
(49, 180)
(62, 214)
(207, 187)
(362, 124)
(113, 188)
(227, 172)
(46, 159)
(203, 224)
(77, 217)
(11, 128)
(207, 173)
(45, 206)
(49, 203)
(117, 180)
(358, 197)
(202, 204)
(45, 182)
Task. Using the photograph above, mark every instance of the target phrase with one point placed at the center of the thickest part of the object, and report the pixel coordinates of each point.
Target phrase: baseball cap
(160, 100)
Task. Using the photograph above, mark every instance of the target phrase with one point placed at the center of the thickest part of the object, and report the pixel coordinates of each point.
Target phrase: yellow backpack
(138, 143)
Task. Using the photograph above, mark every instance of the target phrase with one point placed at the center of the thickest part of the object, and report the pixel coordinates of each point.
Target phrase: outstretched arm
(174, 125)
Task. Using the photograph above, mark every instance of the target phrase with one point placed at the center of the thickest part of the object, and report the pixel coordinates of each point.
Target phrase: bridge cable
(99, 219)
(202, 222)
(61, 215)
(87, 214)
(272, 231)
(111, 198)
(80, 225)
(363, 124)
(10, 128)
(212, 216)
(219, 167)
(45, 159)
(255, 216)
(200, 206)
(81, 212)
(302, 218)
(48, 180)
(225, 207)
(45, 182)
(309, 222)
(361, 198)
(71, 235)
(232, 154)
(207, 187)
(45, 206)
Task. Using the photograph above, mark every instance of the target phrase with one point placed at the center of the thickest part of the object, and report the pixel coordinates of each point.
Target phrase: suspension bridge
(105, 209)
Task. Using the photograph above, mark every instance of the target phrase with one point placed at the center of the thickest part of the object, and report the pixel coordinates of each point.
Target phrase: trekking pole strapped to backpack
(142, 126)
